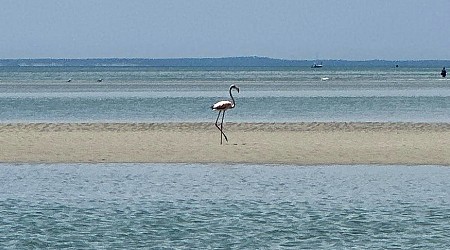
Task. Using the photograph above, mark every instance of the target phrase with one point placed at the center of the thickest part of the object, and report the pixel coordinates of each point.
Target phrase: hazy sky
(289, 29)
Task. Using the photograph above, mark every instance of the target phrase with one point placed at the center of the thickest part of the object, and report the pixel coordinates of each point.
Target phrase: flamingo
(223, 106)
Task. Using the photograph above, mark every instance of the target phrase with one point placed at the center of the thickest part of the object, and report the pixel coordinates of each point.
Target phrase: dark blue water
(139, 94)
(224, 206)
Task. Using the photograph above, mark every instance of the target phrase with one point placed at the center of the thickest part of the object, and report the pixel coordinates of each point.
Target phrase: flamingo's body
(223, 106)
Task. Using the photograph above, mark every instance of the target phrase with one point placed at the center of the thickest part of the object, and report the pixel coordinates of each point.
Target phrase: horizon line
(229, 57)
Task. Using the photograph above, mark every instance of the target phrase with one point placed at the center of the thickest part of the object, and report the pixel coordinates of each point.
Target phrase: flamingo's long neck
(232, 99)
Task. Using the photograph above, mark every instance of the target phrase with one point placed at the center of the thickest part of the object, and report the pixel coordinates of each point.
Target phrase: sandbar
(304, 143)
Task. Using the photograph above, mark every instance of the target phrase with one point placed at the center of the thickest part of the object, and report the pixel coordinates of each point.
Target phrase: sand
(266, 143)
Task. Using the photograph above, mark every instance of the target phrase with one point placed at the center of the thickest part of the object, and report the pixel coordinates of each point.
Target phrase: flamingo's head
(234, 87)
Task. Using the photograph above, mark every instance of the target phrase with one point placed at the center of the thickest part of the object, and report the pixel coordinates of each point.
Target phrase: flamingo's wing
(222, 105)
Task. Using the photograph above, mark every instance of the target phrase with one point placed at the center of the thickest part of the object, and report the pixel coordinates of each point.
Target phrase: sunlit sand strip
(308, 143)
(203, 126)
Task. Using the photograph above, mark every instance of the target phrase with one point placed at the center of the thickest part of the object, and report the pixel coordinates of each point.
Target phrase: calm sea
(146, 94)
(153, 206)
(197, 206)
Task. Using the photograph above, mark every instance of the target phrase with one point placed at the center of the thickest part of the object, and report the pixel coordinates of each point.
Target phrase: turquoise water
(195, 206)
(145, 94)
(192, 206)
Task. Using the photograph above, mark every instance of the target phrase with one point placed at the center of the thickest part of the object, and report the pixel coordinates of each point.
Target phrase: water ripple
(215, 206)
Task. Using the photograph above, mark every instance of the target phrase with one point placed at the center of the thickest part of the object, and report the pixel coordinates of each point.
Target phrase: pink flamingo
(223, 106)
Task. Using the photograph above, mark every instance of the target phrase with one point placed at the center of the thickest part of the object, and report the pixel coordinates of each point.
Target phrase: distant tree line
(217, 62)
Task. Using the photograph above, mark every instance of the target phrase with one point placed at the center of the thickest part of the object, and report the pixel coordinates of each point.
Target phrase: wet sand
(259, 143)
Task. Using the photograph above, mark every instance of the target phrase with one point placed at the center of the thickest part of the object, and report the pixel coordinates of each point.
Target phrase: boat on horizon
(315, 65)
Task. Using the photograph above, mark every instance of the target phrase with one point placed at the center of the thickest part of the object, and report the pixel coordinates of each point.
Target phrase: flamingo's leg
(222, 134)
(221, 129)
(217, 126)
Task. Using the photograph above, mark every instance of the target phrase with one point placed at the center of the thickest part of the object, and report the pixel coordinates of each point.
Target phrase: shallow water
(224, 206)
(146, 94)
(219, 206)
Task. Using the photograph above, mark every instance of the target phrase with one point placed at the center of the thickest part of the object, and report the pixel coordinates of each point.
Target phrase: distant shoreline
(217, 62)
(316, 143)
